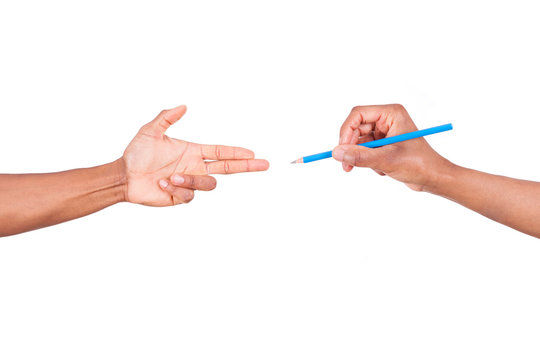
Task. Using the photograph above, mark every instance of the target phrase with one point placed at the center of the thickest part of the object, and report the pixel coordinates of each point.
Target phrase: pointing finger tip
(261, 165)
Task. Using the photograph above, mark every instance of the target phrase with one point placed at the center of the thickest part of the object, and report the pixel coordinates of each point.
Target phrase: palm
(152, 156)
(149, 159)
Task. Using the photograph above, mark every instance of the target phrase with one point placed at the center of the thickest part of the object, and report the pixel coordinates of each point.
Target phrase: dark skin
(155, 170)
(512, 202)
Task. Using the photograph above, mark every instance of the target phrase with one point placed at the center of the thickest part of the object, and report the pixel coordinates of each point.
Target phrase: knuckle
(398, 107)
(218, 151)
(226, 167)
(358, 158)
(190, 180)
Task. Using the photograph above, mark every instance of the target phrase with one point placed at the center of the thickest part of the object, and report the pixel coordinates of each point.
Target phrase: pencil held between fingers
(412, 162)
(354, 155)
(368, 123)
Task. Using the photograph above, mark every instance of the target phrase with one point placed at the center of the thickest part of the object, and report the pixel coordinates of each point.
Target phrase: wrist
(441, 177)
(116, 172)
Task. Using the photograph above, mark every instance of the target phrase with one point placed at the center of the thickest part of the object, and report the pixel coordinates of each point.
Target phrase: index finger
(222, 152)
(361, 121)
(236, 166)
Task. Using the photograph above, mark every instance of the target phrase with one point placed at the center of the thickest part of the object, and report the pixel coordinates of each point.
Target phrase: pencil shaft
(386, 141)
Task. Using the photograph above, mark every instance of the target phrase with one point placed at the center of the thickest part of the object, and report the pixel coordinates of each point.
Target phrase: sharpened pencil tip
(298, 161)
(293, 162)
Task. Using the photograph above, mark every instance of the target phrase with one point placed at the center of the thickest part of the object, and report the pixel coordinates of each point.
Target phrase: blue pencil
(380, 142)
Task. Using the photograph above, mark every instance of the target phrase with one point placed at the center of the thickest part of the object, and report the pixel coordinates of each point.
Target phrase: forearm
(32, 201)
(513, 202)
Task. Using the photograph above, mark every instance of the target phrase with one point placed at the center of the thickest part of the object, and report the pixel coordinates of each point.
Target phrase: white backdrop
(300, 262)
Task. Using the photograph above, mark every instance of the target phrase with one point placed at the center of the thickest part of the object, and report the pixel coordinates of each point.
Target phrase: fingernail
(163, 183)
(177, 179)
(338, 154)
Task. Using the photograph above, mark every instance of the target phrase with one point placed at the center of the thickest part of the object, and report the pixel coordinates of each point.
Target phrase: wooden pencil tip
(298, 161)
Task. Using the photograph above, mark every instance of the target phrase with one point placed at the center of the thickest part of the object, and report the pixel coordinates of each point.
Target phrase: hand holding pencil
(513, 202)
(159, 171)
(413, 162)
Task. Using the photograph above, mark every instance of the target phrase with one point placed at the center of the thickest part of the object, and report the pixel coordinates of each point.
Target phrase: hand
(413, 162)
(162, 171)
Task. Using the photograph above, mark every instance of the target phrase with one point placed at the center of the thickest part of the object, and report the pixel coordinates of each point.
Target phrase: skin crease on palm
(157, 170)
(153, 158)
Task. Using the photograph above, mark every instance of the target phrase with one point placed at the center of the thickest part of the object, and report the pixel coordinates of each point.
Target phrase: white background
(300, 262)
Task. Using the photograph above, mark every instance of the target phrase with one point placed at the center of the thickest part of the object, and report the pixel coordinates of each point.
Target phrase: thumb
(361, 156)
(165, 119)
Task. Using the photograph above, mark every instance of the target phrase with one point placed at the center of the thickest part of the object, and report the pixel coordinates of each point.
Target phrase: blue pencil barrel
(407, 136)
(319, 156)
(386, 141)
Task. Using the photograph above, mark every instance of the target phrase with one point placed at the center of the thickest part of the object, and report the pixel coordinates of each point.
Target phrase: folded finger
(236, 166)
(365, 138)
(179, 195)
(194, 182)
(222, 152)
(355, 125)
